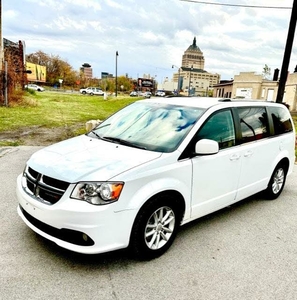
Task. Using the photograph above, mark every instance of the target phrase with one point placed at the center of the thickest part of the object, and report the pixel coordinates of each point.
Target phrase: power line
(238, 5)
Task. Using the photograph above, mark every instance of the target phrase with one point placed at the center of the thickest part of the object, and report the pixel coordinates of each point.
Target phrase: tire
(155, 227)
(83, 92)
(277, 182)
(91, 94)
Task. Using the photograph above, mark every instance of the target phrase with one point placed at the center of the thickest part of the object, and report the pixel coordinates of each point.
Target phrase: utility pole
(1, 39)
(287, 54)
(116, 74)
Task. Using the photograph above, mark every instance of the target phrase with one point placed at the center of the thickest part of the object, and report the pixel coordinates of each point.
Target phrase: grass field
(51, 109)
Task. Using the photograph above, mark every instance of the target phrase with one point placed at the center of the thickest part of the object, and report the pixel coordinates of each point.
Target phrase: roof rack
(225, 100)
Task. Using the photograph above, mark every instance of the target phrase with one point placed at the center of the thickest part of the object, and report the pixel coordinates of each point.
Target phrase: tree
(56, 68)
(125, 84)
(266, 72)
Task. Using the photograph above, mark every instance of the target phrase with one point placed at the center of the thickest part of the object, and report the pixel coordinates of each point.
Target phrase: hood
(85, 158)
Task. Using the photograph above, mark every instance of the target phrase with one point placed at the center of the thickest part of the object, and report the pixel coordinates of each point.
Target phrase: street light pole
(190, 81)
(116, 74)
(178, 80)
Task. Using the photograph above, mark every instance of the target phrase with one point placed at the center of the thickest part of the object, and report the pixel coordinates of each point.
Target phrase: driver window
(219, 127)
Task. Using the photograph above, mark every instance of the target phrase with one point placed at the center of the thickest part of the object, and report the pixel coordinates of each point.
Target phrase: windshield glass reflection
(155, 127)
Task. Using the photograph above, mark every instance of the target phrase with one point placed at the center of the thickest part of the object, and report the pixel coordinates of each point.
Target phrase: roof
(203, 102)
(207, 102)
(194, 46)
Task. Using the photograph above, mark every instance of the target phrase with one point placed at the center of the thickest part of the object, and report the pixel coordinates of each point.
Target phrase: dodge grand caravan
(151, 167)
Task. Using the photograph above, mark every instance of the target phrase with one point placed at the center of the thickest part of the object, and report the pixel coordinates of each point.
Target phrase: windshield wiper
(96, 134)
(122, 142)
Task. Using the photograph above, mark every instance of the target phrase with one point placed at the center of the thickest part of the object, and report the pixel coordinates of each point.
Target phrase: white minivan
(153, 166)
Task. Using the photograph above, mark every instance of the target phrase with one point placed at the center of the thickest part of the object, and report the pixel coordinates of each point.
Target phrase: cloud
(151, 36)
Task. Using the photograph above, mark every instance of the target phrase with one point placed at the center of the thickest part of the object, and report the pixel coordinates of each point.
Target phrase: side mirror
(206, 147)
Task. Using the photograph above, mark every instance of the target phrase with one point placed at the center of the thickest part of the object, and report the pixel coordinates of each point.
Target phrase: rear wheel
(155, 227)
(277, 182)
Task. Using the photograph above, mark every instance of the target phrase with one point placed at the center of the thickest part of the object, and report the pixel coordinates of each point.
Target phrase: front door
(215, 177)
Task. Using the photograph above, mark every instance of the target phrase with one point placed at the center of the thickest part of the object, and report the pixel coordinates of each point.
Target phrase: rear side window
(220, 128)
(253, 123)
(281, 120)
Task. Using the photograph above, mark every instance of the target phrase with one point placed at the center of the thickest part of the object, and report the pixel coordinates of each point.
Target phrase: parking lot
(246, 251)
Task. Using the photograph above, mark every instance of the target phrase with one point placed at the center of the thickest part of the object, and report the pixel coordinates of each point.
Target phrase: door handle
(248, 153)
(234, 157)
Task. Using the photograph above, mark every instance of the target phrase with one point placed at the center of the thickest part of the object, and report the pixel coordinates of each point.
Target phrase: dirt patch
(40, 136)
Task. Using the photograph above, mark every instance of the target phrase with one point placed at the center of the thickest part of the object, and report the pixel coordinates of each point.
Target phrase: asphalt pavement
(246, 251)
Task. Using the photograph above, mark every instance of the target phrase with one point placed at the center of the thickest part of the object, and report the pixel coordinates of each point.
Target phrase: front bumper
(76, 225)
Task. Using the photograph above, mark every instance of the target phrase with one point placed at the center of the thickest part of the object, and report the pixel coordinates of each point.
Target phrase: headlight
(98, 193)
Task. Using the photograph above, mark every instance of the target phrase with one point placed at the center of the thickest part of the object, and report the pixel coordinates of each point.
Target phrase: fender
(148, 190)
(285, 151)
(282, 155)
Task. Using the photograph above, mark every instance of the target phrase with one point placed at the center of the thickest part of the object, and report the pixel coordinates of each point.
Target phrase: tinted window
(253, 123)
(219, 127)
(281, 120)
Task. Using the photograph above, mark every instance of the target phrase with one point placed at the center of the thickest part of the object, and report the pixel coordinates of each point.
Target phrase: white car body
(161, 94)
(92, 91)
(35, 87)
(204, 182)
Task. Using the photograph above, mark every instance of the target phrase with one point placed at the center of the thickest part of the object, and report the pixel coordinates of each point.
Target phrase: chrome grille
(43, 188)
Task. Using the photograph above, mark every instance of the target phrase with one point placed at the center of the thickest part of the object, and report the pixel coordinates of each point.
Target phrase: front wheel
(277, 182)
(155, 227)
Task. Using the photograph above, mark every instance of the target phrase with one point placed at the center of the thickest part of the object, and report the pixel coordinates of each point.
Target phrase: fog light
(85, 237)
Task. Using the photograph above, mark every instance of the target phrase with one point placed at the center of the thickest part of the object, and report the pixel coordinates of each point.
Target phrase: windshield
(152, 126)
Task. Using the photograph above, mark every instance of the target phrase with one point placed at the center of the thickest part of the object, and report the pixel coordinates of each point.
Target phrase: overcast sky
(152, 35)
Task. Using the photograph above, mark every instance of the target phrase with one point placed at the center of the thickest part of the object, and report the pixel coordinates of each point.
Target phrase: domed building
(191, 77)
(193, 57)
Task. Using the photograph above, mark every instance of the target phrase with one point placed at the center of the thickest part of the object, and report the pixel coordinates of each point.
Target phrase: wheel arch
(276, 183)
(179, 207)
(284, 161)
(178, 200)
(282, 158)
(176, 197)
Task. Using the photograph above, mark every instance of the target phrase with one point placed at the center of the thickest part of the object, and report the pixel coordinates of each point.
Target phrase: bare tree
(266, 72)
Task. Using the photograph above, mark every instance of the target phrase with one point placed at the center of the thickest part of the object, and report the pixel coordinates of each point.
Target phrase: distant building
(247, 85)
(105, 75)
(14, 55)
(193, 57)
(37, 73)
(223, 89)
(290, 95)
(192, 75)
(250, 85)
(87, 71)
